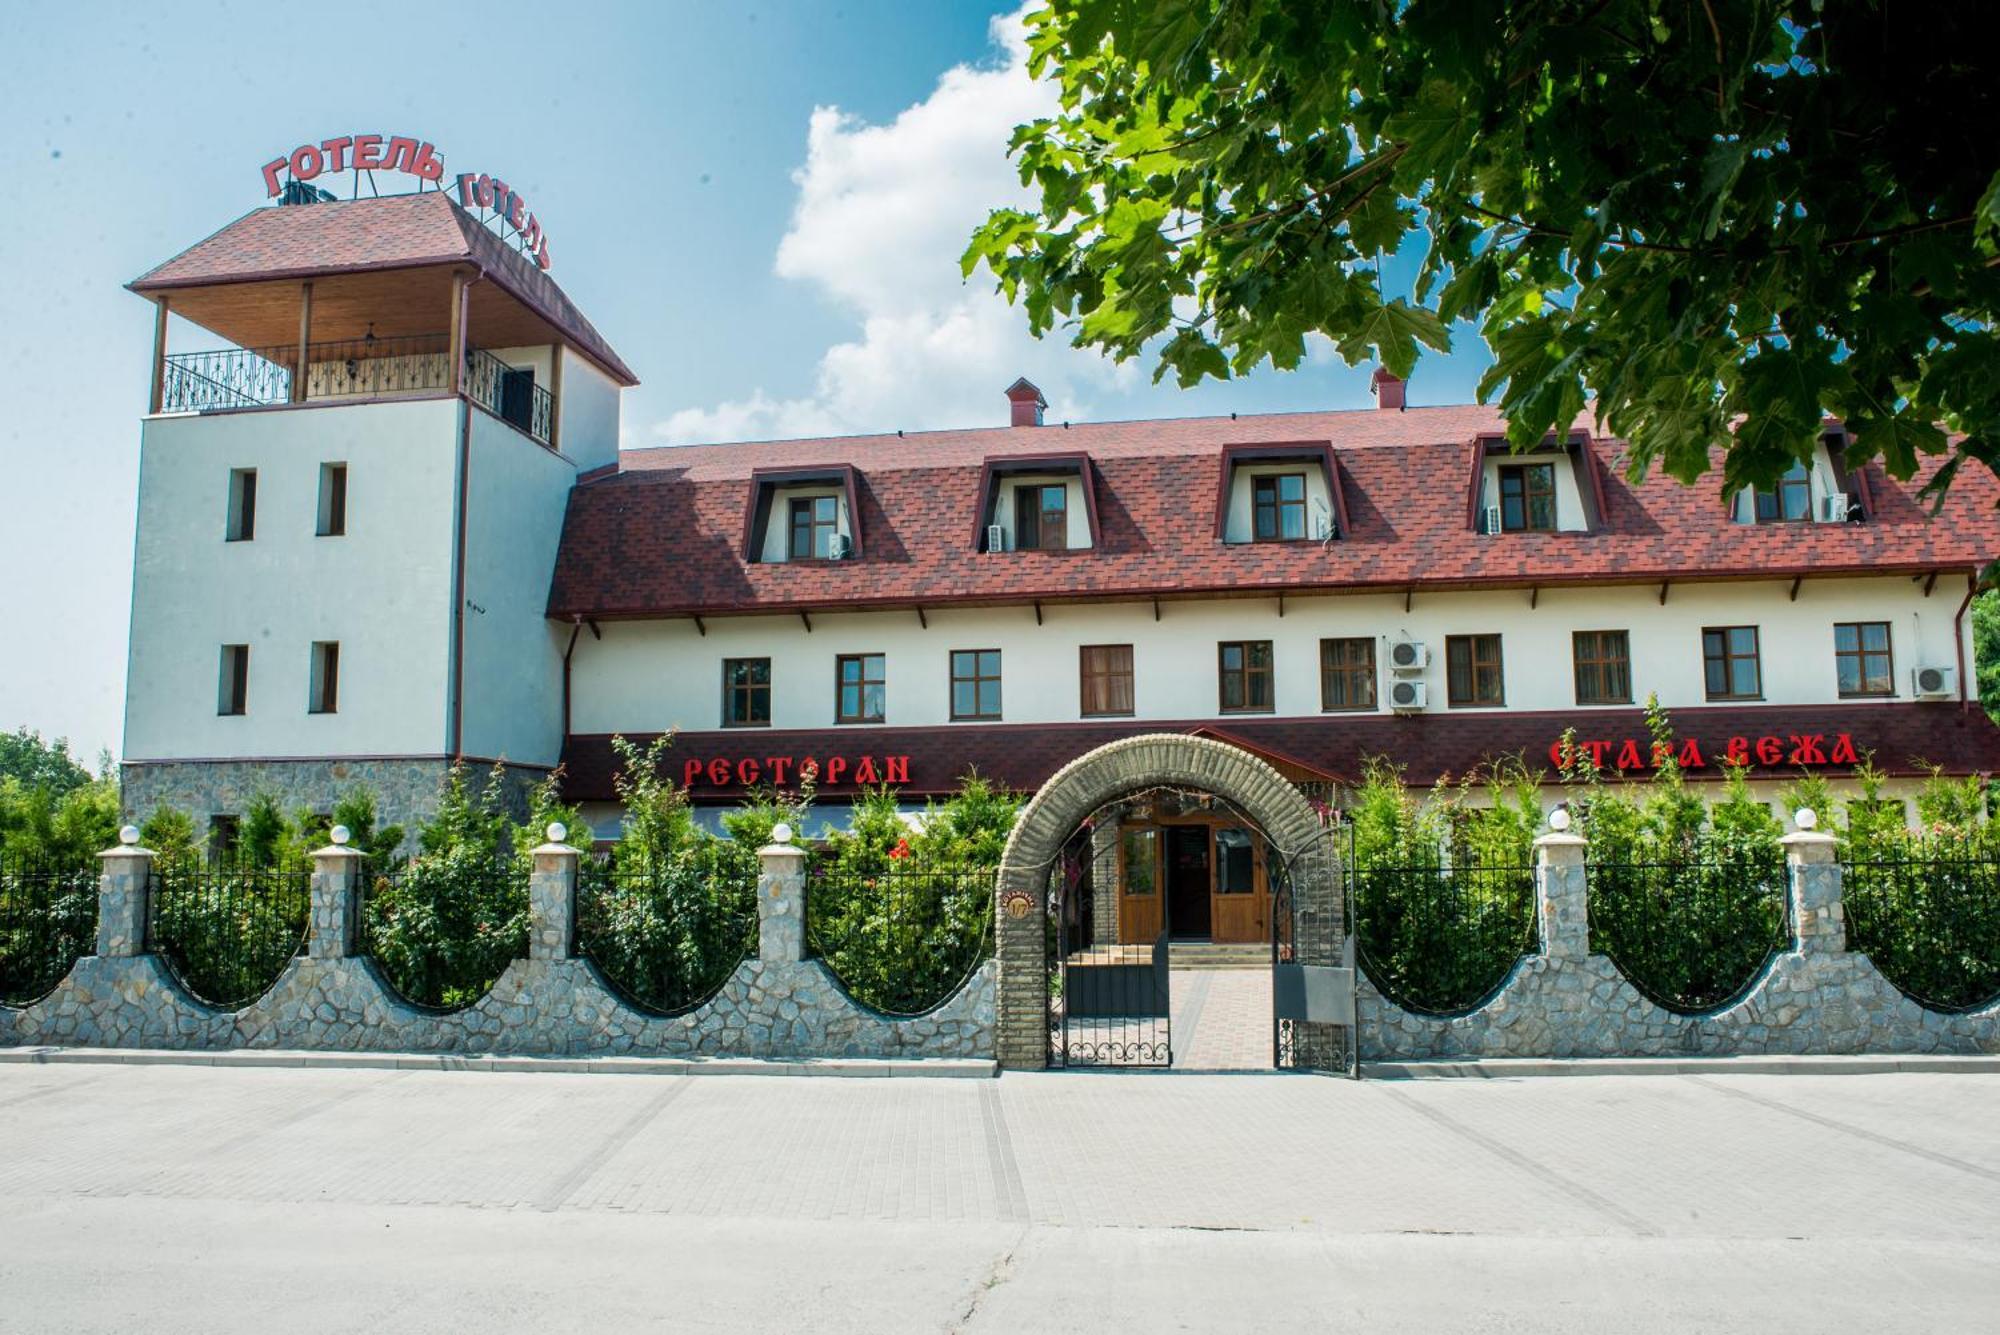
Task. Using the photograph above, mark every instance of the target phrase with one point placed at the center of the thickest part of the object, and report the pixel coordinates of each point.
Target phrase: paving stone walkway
(215, 1199)
(1222, 1019)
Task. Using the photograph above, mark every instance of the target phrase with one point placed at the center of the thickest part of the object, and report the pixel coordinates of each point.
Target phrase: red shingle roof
(663, 536)
(358, 235)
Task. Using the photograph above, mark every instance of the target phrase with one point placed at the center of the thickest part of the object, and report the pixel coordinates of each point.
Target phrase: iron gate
(1108, 1001)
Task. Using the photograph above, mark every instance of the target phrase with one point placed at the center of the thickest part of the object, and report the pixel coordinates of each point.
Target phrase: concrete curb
(866, 1067)
(1497, 1068)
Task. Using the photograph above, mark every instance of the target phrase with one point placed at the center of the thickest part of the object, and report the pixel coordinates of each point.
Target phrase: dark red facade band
(1899, 738)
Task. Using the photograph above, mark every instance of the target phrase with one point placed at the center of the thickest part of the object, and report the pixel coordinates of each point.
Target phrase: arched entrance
(1313, 988)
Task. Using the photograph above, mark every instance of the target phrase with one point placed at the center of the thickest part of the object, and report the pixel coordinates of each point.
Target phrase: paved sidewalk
(217, 1199)
(1222, 1019)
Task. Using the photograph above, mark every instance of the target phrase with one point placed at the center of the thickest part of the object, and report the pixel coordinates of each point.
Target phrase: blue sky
(761, 206)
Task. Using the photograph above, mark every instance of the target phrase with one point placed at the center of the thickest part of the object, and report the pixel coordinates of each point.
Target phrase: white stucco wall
(588, 411)
(515, 496)
(650, 676)
(381, 590)
(1237, 524)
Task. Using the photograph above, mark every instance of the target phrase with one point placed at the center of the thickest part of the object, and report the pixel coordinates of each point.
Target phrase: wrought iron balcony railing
(357, 369)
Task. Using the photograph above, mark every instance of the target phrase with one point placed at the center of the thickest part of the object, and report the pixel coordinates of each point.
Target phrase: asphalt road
(213, 1199)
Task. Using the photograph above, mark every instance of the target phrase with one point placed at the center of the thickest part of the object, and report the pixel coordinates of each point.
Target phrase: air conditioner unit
(1407, 655)
(1934, 683)
(1409, 697)
(842, 547)
(996, 538)
(1492, 519)
(1833, 509)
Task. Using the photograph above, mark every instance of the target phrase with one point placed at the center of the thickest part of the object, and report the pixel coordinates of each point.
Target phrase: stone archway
(1120, 769)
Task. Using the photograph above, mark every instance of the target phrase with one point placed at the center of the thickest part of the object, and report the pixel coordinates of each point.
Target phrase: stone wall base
(1805, 1004)
(406, 791)
(537, 1008)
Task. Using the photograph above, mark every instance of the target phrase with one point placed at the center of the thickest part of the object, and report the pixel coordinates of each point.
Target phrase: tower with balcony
(365, 419)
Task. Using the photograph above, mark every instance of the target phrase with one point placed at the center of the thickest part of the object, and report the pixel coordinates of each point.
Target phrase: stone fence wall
(1817, 997)
(779, 1004)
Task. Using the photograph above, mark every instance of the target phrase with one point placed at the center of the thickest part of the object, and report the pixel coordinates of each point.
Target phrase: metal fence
(900, 941)
(1692, 934)
(1441, 940)
(667, 933)
(1930, 921)
(226, 932)
(48, 921)
(443, 927)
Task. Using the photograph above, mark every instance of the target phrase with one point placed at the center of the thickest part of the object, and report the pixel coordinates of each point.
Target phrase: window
(1246, 676)
(1107, 681)
(815, 524)
(1792, 501)
(1278, 507)
(1235, 861)
(1472, 670)
(746, 692)
(1862, 661)
(975, 683)
(1347, 674)
(862, 688)
(1527, 498)
(324, 693)
(1141, 857)
(1603, 667)
(242, 525)
(1729, 663)
(332, 500)
(232, 692)
(1041, 518)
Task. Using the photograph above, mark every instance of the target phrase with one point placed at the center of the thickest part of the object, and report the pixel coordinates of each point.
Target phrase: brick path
(145, 1195)
(1222, 1019)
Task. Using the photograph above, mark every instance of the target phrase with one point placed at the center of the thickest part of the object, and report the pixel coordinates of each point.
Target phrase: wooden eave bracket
(1665, 584)
(923, 620)
(1796, 581)
(701, 626)
(805, 621)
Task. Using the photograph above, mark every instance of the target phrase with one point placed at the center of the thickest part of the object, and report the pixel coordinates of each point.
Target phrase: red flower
(901, 850)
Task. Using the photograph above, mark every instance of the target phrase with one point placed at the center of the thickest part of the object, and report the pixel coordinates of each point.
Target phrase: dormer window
(802, 514)
(1278, 507)
(1036, 503)
(1791, 502)
(815, 527)
(1287, 492)
(1554, 488)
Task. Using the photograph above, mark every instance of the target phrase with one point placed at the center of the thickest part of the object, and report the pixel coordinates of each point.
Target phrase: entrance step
(1218, 955)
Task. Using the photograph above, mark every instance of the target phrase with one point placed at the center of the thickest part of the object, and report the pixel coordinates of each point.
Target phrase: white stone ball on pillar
(128, 835)
(340, 834)
(1806, 818)
(1559, 819)
(781, 833)
(557, 832)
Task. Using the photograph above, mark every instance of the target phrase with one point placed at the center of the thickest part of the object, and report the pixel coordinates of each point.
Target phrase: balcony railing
(355, 369)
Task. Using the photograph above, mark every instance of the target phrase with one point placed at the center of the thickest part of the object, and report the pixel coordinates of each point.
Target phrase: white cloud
(883, 213)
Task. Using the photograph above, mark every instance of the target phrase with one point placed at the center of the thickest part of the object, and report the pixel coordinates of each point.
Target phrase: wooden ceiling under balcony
(392, 303)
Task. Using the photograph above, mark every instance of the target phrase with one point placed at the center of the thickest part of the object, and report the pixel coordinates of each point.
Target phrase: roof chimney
(1388, 390)
(1026, 403)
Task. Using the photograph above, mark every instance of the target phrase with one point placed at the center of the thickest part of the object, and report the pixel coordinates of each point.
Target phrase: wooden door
(1139, 894)
(1242, 903)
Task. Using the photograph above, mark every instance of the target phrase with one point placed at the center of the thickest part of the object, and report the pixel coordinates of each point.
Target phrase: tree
(1701, 214)
(38, 764)
(1986, 650)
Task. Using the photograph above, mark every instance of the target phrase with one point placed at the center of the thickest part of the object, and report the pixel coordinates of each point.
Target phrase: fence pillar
(781, 898)
(552, 897)
(1819, 921)
(336, 898)
(122, 891)
(1562, 895)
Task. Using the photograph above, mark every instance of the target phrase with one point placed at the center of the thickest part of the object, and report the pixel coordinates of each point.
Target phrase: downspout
(455, 742)
(1958, 640)
(575, 629)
